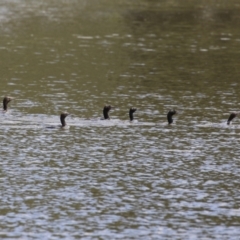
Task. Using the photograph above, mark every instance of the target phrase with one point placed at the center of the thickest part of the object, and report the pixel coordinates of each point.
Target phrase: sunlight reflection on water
(112, 178)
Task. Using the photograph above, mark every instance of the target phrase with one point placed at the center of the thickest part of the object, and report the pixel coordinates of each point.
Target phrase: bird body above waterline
(6, 100)
(63, 125)
(231, 117)
(169, 116)
(131, 111)
(106, 110)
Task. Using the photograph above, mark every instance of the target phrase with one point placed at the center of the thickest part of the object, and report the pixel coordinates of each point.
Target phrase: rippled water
(114, 179)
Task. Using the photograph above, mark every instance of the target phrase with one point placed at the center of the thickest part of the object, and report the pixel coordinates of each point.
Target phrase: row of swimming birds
(106, 110)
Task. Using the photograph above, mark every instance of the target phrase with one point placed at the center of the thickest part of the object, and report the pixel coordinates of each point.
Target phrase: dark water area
(115, 179)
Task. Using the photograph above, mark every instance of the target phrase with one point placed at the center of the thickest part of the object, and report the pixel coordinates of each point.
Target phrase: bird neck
(170, 120)
(4, 105)
(62, 119)
(131, 115)
(105, 114)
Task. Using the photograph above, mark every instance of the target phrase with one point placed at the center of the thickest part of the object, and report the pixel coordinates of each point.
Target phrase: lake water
(114, 179)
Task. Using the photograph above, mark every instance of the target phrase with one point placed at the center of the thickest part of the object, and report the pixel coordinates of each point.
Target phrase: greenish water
(115, 179)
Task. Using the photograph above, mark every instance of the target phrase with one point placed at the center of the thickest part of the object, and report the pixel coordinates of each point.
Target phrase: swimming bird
(106, 109)
(131, 111)
(6, 100)
(62, 119)
(231, 117)
(63, 115)
(169, 116)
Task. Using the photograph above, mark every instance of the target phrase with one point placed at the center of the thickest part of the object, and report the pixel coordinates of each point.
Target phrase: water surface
(115, 179)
